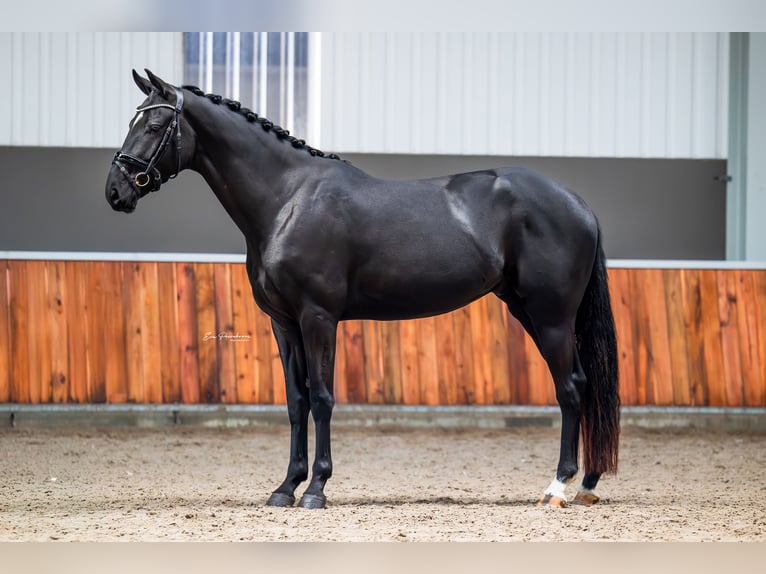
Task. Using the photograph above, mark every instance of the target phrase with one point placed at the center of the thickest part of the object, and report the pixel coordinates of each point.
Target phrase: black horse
(328, 242)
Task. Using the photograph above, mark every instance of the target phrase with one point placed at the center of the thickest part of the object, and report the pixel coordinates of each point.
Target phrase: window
(266, 71)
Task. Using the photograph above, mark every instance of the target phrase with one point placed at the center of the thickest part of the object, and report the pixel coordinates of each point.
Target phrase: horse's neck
(244, 166)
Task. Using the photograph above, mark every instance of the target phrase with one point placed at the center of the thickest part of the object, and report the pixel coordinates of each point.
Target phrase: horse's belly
(414, 297)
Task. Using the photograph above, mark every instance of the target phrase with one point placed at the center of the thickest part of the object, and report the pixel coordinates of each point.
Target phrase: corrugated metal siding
(537, 94)
(74, 88)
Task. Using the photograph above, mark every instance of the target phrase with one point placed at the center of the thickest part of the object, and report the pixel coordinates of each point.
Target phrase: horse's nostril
(114, 195)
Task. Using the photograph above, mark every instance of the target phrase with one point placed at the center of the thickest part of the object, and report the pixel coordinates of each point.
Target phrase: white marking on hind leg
(558, 488)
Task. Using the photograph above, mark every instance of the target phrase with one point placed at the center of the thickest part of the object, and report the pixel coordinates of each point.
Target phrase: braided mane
(266, 124)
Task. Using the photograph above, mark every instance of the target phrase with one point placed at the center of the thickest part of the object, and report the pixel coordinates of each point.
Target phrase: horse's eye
(154, 128)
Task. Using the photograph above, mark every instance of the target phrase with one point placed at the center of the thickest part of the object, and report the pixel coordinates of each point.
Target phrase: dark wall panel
(52, 199)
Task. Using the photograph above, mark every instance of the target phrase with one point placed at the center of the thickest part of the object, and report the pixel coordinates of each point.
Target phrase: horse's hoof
(280, 499)
(586, 498)
(552, 501)
(313, 501)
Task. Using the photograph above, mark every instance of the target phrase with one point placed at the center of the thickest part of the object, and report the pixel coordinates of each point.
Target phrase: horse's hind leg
(557, 346)
(293, 358)
(555, 341)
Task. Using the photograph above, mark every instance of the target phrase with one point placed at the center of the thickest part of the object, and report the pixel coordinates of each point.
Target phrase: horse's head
(154, 150)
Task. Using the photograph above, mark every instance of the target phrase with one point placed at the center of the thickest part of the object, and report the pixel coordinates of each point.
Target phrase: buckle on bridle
(142, 179)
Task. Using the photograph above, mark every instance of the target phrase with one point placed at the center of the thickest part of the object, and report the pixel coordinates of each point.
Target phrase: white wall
(522, 94)
(526, 94)
(75, 89)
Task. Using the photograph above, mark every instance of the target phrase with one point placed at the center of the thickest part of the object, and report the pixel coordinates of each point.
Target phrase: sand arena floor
(389, 484)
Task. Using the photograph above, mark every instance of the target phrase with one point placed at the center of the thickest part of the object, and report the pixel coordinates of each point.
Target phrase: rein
(149, 178)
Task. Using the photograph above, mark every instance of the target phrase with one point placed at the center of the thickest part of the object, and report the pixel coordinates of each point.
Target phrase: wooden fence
(116, 332)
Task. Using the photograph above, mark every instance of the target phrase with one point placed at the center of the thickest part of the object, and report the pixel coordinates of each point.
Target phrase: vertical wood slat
(188, 339)
(37, 331)
(392, 367)
(463, 357)
(117, 332)
(408, 352)
(243, 323)
(77, 332)
(373, 361)
(115, 340)
(760, 305)
(224, 329)
(751, 337)
(5, 335)
(150, 333)
(427, 367)
(134, 310)
(728, 305)
(353, 343)
(619, 284)
(677, 337)
(265, 363)
(57, 314)
(206, 333)
(17, 310)
(170, 368)
(97, 322)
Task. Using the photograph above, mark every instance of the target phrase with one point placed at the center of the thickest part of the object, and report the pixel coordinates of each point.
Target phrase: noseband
(149, 178)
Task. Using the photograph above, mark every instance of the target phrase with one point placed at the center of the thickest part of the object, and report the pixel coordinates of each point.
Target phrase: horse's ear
(143, 84)
(160, 85)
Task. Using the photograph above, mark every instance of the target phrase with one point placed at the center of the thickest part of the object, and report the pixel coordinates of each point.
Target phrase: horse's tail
(597, 348)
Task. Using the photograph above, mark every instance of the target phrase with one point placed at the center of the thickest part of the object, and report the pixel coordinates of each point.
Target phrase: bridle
(149, 178)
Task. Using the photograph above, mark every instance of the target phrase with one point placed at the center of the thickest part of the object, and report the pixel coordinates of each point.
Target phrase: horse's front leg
(319, 331)
(293, 357)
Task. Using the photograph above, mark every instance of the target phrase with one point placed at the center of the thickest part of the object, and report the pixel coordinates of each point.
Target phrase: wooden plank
(188, 337)
(114, 335)
(77, 331)
(392, 366)
(517, 364)
(170, 367)
(427, 367)
(38, 332)
(408, 351)
(464, 376)
(206, 330)
(445, 359)
(353, 341)
(56, 317)
(373, 361)
(279, 390)
(480, 340)
(759, 281)
(541, 390)
(652, 336)
(265, 365)
(677, 337)
(750, 333)
(133, 302)
(711, 324)
(243, 316)
(622, 302)
(151, 347)
(501, 383)
(18, 313)
(730, 346)
(695, 340)
(341, 388)
(227, 341)
(97, 317)
(5, 334)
